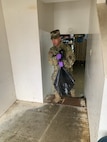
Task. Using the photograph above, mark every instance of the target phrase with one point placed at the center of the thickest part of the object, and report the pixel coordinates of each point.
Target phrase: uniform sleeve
(52, 58)
(70, 58)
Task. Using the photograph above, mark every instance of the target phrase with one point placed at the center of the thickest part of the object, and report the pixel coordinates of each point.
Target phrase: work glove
(61, 64)
(58, 56)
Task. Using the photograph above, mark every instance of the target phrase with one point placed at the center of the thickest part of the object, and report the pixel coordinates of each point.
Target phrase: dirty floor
(79, 76)
(34, 122)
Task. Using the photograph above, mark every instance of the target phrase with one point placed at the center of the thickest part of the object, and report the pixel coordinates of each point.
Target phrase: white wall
(102, 15)
(46, 24)
(94, 78)
(7, 91)
(101, 1)
(94, 82)
(45, 16)
(72, 17)
(52, 1)
(103, 116)
(47, 69)
(23, 37)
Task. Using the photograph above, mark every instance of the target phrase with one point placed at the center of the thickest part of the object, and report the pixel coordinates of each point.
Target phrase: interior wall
(45, 16)
(103, 116)
(7, 91)
(46, 24)
(102, 16)
(94, 76)
(47, 69)
(101, 1)
(21, 20)
(72, 17)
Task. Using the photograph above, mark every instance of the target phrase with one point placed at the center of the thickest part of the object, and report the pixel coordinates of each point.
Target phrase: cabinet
(80, 49)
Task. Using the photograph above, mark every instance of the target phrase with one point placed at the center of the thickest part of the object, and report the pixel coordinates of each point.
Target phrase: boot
(72, 92)
(57, 98)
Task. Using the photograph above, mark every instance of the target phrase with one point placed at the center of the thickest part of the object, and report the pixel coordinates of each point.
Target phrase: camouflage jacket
(68, 57)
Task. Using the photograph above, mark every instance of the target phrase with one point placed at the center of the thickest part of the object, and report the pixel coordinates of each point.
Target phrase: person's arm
(52, 58)
(70, 58)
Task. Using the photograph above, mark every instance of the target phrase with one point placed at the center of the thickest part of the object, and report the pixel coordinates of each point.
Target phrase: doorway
(78, 44)
(69, 17)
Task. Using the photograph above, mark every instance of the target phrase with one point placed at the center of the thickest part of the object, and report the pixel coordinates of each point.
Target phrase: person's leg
(72, 92)
(57, 96)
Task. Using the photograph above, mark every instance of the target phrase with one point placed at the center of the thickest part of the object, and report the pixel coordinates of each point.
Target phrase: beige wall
(72, 17)
(102, 15)
(7, 91)
(47, 69)
(46, 24)
(94, 83)
(103, 117)
(69, 16)
(45, 16)
(51, 1)
(101, 1)
(21, 20)
(94, 78)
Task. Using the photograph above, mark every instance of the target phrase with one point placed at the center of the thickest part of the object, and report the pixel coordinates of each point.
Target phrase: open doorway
(78, 44)
(69, 17)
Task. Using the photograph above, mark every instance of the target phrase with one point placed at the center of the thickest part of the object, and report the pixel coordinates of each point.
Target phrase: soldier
(54, 55)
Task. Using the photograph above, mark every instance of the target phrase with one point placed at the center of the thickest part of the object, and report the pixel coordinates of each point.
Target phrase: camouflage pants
(53, 77)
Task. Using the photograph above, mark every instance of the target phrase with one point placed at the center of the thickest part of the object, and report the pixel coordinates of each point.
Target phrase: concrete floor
(34, 122)
(79, 76)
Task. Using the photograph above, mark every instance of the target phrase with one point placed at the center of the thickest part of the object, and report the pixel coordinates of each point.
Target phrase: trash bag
(104, 139)
(64, 82)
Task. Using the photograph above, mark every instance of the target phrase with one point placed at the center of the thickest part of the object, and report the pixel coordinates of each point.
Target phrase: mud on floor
(44, 123)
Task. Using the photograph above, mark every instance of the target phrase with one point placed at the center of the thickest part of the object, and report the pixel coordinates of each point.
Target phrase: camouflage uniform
(68, 60)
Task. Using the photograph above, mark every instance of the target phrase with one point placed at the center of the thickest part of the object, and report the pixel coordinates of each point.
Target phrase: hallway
(34, 122)
(79, 76)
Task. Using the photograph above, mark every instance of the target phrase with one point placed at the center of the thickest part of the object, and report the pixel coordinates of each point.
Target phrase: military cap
(55, 34)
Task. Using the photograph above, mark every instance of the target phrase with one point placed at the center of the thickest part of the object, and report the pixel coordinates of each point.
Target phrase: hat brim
(55, 37)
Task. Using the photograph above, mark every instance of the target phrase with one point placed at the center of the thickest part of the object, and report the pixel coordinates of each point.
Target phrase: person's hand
(61, 64)
(58, 56)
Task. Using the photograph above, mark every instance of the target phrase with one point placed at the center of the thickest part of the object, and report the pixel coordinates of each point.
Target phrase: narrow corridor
(79, 76)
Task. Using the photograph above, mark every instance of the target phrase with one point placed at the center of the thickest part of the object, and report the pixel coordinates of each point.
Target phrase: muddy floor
(31, 122)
